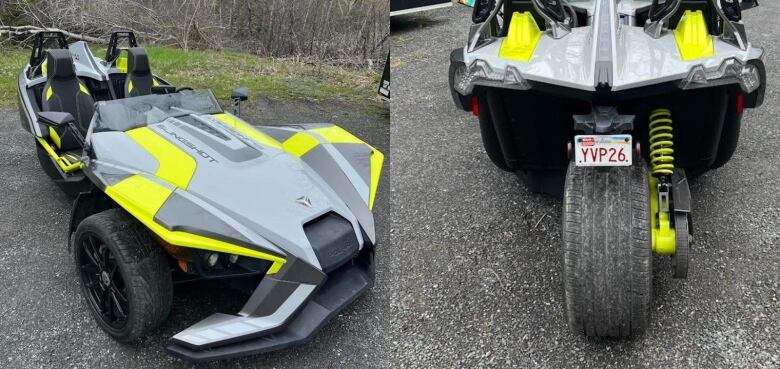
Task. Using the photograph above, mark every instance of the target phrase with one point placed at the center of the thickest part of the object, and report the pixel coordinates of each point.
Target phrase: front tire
(607, 250)
(124, 274)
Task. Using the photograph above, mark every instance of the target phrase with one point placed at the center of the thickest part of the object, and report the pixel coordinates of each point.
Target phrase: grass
(222, 71)
(11, 63)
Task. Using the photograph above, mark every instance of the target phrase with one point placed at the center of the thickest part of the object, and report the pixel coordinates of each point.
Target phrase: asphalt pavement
(476, 259)
(44, 321)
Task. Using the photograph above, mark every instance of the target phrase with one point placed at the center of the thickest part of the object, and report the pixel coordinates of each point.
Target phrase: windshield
(133, 112)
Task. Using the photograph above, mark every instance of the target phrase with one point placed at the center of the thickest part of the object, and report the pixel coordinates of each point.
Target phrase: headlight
(729, 72)
(212, 259)
(479, 72)
(211, 264)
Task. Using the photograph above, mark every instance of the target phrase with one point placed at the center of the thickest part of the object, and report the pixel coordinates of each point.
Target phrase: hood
(234, 183)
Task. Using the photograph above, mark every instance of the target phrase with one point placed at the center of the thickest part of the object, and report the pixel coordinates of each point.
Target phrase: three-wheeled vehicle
(171, 188)
(614, 104)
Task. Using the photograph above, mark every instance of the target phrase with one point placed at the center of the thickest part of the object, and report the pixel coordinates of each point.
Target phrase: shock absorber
(661, 143)
(661, 148)
(670, 224)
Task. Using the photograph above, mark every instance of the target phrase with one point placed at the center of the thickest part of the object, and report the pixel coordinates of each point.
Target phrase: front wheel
(607, 250)
(124, 274)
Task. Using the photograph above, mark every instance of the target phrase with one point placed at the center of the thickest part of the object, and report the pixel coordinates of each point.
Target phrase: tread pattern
(607, 250)
(143, 265)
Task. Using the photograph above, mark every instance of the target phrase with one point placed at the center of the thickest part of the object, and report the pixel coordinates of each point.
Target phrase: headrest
(59, 64)
(137, 60)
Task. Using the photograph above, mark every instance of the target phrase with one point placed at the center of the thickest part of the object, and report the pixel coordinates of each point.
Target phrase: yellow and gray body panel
(610, 49)
(217, 183)
(253, 177)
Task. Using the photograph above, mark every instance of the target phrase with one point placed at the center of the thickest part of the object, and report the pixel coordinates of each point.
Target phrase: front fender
(351, 167)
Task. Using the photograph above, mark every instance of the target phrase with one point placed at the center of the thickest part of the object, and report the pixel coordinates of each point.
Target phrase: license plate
(602, 150)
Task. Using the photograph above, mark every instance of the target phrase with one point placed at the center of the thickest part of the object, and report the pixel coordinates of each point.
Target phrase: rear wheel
(607, 250)
(124, 274)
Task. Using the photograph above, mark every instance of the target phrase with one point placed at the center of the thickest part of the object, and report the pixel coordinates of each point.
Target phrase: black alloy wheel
(105, 287)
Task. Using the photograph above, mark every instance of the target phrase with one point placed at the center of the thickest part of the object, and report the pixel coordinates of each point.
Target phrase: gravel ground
(478, 257)
(44, 321)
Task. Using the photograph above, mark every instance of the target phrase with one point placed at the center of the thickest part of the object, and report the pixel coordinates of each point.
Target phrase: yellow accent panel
(663, 236)
(142, 198)
(693, 39)
(176, 166)
(247, 130)
(300, 143)
(522, 38)
(336, 135)
(55, 137)
(377, 159)
(44, 68)
(154, 82)
(65, 165)
(130, 87)
(83, 89)
(49, 92)
(121, 63)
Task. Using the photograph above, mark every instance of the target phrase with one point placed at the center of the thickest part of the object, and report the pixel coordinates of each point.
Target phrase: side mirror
(749, 4)
(55, 119)
(240, 94)
(732, 9)
(482, 9)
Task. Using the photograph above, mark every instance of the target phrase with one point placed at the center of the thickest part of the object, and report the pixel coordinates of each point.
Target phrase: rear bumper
(340, 288)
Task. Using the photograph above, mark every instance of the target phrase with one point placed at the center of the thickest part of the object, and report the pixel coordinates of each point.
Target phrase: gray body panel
(611, 47)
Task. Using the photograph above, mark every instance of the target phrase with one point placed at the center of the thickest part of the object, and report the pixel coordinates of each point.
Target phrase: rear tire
(607, 250)
(128, 264)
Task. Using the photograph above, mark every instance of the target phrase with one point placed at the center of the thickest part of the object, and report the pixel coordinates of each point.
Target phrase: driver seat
(64, 92)
(139, 79)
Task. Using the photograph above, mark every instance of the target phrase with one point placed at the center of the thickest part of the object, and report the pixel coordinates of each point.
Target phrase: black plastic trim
(333, 240)
(342, 288)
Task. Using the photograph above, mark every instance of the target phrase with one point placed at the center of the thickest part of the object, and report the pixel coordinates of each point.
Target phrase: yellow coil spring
(661, 143)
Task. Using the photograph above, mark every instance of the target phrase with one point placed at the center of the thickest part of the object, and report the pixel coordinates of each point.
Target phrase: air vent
(333, 240)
